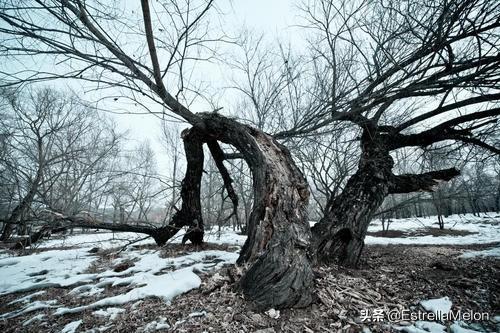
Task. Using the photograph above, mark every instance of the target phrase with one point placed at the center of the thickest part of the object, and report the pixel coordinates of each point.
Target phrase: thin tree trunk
(21, 209)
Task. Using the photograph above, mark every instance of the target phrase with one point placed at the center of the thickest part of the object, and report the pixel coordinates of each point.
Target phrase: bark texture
(339, 235)
(279, 272)
(190, 213)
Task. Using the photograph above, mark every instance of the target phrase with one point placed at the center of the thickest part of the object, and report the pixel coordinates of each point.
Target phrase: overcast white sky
(274, 18)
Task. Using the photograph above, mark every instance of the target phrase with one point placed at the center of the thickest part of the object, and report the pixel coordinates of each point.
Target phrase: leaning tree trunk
(21, 208)
(278, 268)
(339, 235)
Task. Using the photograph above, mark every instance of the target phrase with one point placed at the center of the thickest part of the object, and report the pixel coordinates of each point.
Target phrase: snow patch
(156, 276)
(102, 240)
(438, 306)
(432, 327)
(35, 306)
(43, 270)
(493, 252)
(428, 326)
(71, 327)
(485, 230)
(112, 313)
(456, 328)
(153, 326)
(27, 298)
(38, 317)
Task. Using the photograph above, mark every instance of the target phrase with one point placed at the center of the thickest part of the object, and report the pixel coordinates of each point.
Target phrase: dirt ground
(390, 277)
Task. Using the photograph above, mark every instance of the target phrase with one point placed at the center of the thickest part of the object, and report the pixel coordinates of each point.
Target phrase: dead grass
(177, 250)
(394, 276)
(435, 232)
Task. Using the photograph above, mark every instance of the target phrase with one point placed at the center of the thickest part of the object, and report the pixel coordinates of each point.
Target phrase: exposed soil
(394, 276)
(435, 232)
(177, 250)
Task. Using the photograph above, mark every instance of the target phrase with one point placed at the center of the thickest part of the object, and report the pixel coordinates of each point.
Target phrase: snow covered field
(70, 263)
(148, 275)
(486, 229)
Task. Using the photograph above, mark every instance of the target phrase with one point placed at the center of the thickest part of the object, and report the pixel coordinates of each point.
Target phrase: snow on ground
(38, 317)
(438, 306)
(103, 240)
(149, 275)
(157, 325)
(53, 268)
(112, 313)
(493, 252)
(71, 327)
(485, 227)
(431, 327)
(108, 240)
(457, 328)
(423, 327)
(155, 276)
(226, 236)
(31, 307)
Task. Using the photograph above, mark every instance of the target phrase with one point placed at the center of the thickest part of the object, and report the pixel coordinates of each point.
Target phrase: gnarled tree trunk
(190, 212)
(279, 272)
(339, 235)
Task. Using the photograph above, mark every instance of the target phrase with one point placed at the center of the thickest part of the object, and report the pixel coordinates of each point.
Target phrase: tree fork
(339, 235)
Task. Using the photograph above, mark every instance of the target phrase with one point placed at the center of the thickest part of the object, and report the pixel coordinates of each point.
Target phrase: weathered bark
(190, 212)
(426, 182)
(339, 235)
(279, 272)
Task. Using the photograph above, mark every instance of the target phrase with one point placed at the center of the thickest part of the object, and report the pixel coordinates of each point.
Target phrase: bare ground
(435, 232)
(394, 276)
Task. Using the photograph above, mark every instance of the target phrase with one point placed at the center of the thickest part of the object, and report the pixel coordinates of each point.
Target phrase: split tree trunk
(339, 235)
(279, 272)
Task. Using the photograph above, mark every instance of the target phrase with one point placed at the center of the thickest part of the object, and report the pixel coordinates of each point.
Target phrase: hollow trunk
(339, 235)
